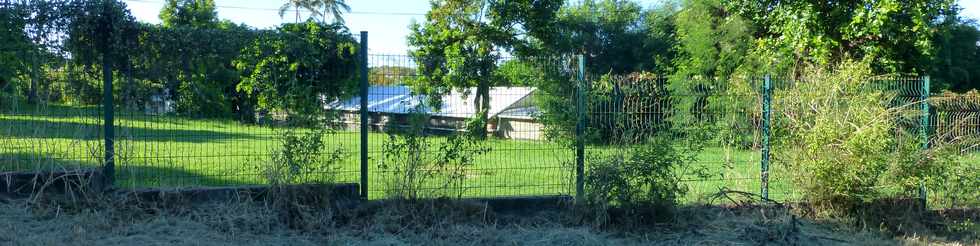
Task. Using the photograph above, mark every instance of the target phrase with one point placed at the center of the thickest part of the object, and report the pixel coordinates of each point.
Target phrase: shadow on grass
(30, 162)
(44, 129)
(53, 111)
(129, 176)
(138, 177)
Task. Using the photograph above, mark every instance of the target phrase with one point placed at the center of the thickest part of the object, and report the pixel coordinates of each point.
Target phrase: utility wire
(304, 11)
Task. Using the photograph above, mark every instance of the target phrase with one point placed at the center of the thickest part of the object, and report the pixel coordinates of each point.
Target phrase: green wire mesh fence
(417, 139)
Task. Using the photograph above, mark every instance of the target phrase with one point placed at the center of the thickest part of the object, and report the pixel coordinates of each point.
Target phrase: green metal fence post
(364, 114)
(924, 133)
(766, 122)
(580, 132)
(108, 121)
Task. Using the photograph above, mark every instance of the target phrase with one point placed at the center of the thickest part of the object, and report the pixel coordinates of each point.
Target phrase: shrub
(640, 184)
(417, 164)
(846, 144)
(302, 158)
(302, 153)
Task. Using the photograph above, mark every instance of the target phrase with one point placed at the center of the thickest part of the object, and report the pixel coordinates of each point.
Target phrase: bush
(302, 158)
(416, 165)
(845, 142)
(640, 184)
(302, 153)
(297, 67)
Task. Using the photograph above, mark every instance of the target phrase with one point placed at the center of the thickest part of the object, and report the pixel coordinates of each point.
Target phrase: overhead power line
(304, 11)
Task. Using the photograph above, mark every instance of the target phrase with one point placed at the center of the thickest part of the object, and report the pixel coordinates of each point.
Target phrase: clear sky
(386, 20)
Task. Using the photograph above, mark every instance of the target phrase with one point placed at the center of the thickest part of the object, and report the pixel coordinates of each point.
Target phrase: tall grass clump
(845, 142)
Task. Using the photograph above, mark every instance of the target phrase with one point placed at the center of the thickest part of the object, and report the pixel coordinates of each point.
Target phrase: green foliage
(957, 187)
(628, 109)
(319, 8)
(518, 73)
(189, 13)
(455, 50)
(734, 112)
(459, 44)
(616, 37)
(390, 75)
(201, 76)
(609, 33)
(640, 184)
(846, 137)
(12, 43)
(661, 37)
(420, 166)
(716, 53)
(302, 153)
(295, 67)
(44, 22)
(957, 58)
(100, 29)
(77, 86)
(893, 35)
(711, 41)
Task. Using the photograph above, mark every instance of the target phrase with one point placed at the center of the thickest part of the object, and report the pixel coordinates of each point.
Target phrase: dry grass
(49, 222)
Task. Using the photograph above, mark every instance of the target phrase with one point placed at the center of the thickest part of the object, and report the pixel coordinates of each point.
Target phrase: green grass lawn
(166, 151)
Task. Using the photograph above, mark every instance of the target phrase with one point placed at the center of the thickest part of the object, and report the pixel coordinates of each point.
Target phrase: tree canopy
(212, 67)
(297, 66)
(320, 9)
(894, 35)
(189, 13)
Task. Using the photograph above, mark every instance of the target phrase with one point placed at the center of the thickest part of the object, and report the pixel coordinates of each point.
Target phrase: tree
(100, 33)
(99, 30)
(12, 40)
(893, 35)
(294, 68)
(390, 75)
(711, 41)
(460, 42)
(518, 73)
(318, 8)
(189, 13)
(608, 32)
(956, 63)
(661, 35)
(43, 24)
(455, 49)
(201, 77)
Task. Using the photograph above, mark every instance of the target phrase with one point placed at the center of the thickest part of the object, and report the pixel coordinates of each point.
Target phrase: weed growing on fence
(639, 184)
(419, 166)
(302, 153)
(302, 158)
(847, 146)
(956, 135)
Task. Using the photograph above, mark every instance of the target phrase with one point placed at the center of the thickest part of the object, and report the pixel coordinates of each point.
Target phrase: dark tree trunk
(482, 107)
(35, 74)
